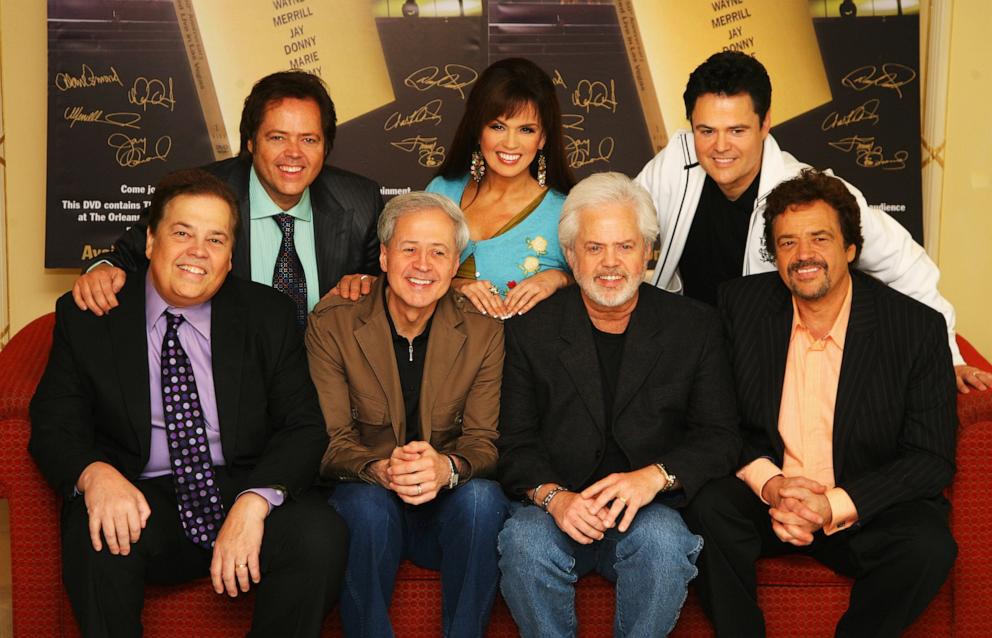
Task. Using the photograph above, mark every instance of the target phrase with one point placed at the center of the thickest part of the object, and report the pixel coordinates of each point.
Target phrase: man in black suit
(848, 404)
(284, 189)
(617, 406)
(184, 434)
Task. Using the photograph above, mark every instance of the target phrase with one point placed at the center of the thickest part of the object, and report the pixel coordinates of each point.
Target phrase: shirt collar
(838, 331)
(197, 316)
(261, 205)
(392, 326)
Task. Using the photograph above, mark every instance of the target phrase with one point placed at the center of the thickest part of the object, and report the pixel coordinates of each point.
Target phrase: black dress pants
(899, 560)
(302, 560)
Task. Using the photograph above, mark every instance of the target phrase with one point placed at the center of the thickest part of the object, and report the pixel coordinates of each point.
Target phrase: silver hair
(418, 201)
(607, 188)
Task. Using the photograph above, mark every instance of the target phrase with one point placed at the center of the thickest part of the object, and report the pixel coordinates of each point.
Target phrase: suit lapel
(227, 348)
(776, 331)
(858, 361)
(129, 342)
(241, 260)
(444, 344)
(640, 352)
(579, 356)
(373, 337)
(328, 218)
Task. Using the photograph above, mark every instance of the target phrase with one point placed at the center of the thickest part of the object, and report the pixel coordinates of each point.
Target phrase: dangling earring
(542, 169)
(478, 168)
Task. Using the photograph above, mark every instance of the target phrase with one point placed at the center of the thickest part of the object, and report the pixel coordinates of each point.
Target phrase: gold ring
(420, 489)
(622, 500)
(240, 565)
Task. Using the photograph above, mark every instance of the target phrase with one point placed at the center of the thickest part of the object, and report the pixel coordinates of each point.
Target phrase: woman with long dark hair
(506, 168)
(507, 171)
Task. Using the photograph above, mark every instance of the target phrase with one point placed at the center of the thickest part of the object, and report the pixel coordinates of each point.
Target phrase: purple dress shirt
(194, 335)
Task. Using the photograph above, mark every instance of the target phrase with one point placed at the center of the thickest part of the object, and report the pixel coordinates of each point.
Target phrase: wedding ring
(622, 500)
(363, 278)
(240, 565)
(420, 489)
(493, 289)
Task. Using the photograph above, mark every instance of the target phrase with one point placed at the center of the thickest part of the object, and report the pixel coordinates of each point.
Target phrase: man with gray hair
(409, 380)
(617, 406)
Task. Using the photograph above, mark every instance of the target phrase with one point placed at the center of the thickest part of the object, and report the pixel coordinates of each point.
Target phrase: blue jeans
(455, 533)
(651, 564)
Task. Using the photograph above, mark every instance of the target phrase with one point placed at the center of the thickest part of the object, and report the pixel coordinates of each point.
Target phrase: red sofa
(800, 598)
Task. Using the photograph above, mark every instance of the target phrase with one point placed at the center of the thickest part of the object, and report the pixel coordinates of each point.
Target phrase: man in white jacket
(709, 186)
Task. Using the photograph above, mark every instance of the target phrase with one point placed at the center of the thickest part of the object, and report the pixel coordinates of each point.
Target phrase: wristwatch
(453, 478)
(668, 476)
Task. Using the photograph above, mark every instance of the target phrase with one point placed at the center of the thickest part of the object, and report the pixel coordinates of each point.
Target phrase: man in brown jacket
(408, 379)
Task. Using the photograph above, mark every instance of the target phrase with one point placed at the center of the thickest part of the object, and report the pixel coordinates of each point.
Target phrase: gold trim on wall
(4, 264)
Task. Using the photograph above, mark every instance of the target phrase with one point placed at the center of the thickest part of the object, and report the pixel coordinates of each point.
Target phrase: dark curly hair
(505, 88)
(278, 86)
(730, 73)
(191, 181)
(813, 186)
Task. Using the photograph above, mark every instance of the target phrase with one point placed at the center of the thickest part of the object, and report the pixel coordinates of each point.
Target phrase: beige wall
(966, 224)
(966, 218)
(23, 37)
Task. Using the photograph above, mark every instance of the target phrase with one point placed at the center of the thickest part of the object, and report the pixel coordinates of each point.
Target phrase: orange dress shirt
(806, 415)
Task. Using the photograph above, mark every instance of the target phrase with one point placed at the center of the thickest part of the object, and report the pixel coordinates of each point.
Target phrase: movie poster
(139, 88)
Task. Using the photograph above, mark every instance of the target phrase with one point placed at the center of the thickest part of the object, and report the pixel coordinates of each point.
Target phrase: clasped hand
(799, 508)
(586, 516)
(415, 471)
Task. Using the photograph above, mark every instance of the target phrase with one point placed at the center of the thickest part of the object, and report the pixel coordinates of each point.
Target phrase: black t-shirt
(609, 350)
(410, 365)
(714, 249)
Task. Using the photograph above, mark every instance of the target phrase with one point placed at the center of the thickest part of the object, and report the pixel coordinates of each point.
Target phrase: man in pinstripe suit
(848, 413)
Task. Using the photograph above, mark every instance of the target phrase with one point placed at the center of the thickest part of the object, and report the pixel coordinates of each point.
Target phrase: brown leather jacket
(353, 366)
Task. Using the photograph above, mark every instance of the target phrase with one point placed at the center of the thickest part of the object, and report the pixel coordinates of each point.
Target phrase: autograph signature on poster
(889, 76)
(430, 112)
(145, 93)
(871, 155)
(78, 115)
(429, 152)
(867, 112)
(454, 76)
(133, 151)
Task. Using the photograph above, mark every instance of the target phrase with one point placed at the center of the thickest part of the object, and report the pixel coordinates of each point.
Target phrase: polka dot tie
(200, 507)
(288, 276)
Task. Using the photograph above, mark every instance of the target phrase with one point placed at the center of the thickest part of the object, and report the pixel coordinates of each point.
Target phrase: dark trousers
(899, 560)
(302, 559)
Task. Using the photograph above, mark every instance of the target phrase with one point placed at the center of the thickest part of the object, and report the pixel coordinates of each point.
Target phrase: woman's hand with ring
(479, 292)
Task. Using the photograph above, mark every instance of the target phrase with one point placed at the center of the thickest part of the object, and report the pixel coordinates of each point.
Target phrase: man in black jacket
(298, 215)
(183, 433)
(848, 404)
(617, 406)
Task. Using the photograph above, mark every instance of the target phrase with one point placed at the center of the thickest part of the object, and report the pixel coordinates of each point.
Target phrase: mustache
(806, 263)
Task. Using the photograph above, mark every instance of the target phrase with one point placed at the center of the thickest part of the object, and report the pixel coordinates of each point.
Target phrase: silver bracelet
(536, 490)
(668, 476)
(553, 493)
(453, 477)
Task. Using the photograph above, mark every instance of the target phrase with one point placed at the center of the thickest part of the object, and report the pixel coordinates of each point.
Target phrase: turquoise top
(266, 237)
(528, 248)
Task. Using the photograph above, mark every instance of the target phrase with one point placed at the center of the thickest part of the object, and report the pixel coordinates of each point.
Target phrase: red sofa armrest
(971, 514)
(974, 406)
(21, 364)
(35, 547)
(34, 521)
